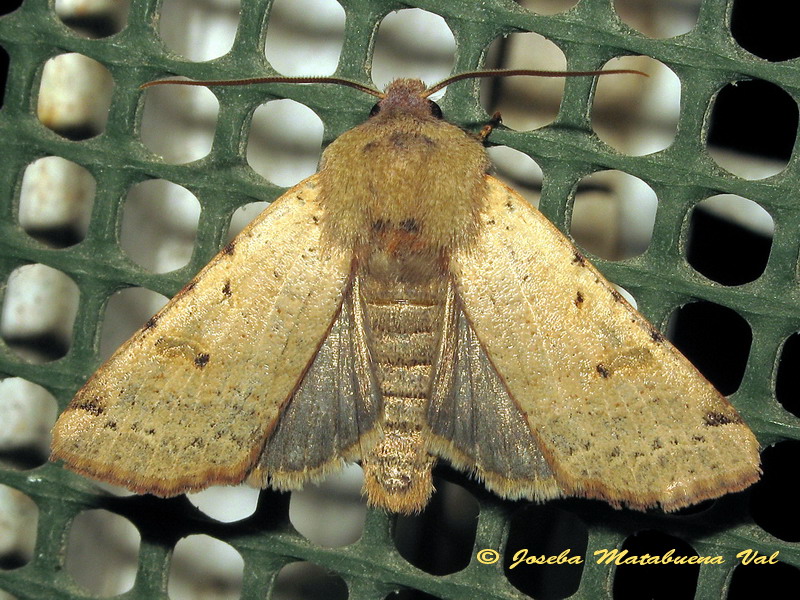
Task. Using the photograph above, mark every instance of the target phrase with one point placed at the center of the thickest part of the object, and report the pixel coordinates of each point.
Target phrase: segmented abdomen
(403, 305)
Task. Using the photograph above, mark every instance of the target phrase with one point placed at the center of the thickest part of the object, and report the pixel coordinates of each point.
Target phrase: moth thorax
(405, 173)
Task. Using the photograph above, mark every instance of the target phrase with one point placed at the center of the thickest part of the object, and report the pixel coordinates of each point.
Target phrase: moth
(398, 307)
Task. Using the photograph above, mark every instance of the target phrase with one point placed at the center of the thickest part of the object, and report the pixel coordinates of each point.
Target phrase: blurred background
(751, 135)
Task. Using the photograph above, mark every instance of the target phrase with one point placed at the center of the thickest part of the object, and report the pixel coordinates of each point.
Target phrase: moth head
(407, 97)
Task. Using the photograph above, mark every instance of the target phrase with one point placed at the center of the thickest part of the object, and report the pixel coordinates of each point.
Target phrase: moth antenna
(231, 82)
(529, 72)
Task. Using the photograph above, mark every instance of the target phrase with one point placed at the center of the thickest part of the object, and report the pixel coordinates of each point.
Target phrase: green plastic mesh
(590, 34)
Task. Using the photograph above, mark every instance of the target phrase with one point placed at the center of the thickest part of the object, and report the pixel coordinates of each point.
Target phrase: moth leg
(489, 127)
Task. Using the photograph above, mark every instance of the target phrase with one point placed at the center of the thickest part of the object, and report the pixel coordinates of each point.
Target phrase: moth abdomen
(404, 326)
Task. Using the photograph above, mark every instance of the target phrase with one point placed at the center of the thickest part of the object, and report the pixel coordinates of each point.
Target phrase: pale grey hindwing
(336, 403)
(470, 408)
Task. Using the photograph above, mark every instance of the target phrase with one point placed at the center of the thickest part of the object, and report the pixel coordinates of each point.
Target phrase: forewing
(332, 417)
(189, 400)
(618, 412)
(474, 422)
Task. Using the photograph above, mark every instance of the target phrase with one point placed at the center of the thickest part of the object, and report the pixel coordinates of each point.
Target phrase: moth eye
(375, 110)
(435, 110)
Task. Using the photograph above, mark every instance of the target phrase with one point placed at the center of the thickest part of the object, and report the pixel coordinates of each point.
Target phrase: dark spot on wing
(616, 295)
(226, 289)
(656, 335)
(603, 370)
(151, 322)
(369, 147)
(578, 299)
(315, 218)
(112, 425)
(579, 259)
(90, 407)
(189, 287)
(379, 225)
(715, 419)
(201, 360)
(229, 247)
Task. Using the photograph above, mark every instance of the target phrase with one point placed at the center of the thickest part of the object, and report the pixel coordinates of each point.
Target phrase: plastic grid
(705, 60)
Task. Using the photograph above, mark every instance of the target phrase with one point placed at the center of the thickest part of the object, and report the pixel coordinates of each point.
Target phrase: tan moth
(398, 307)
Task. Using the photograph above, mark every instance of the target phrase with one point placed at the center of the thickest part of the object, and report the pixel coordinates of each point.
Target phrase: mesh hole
(127, 311)
(518, 170)
(748, 581)
(178, 122)
(285, 142)
(307, 581)
(243, 216)
(305, 37)
(27, 412)
(659, 19)
(18, 517)
(205, 567)
(55, 201)
(753, 129)
(74, 96)
(774, 504)
(102, 552)
(96, 19)
(412, 43)
(159, 225)
(544, 531)
(717, 341)
(767, 31)
(198, 31)
(439, 540)
(10, 6)
(729, 239)
(787, 384)
(330, 513)
(613, 215)
(526, 103)
(635, 581)
(548, 7)
(627, 295)
(38, 313)
(633, 114)
(226, 504)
